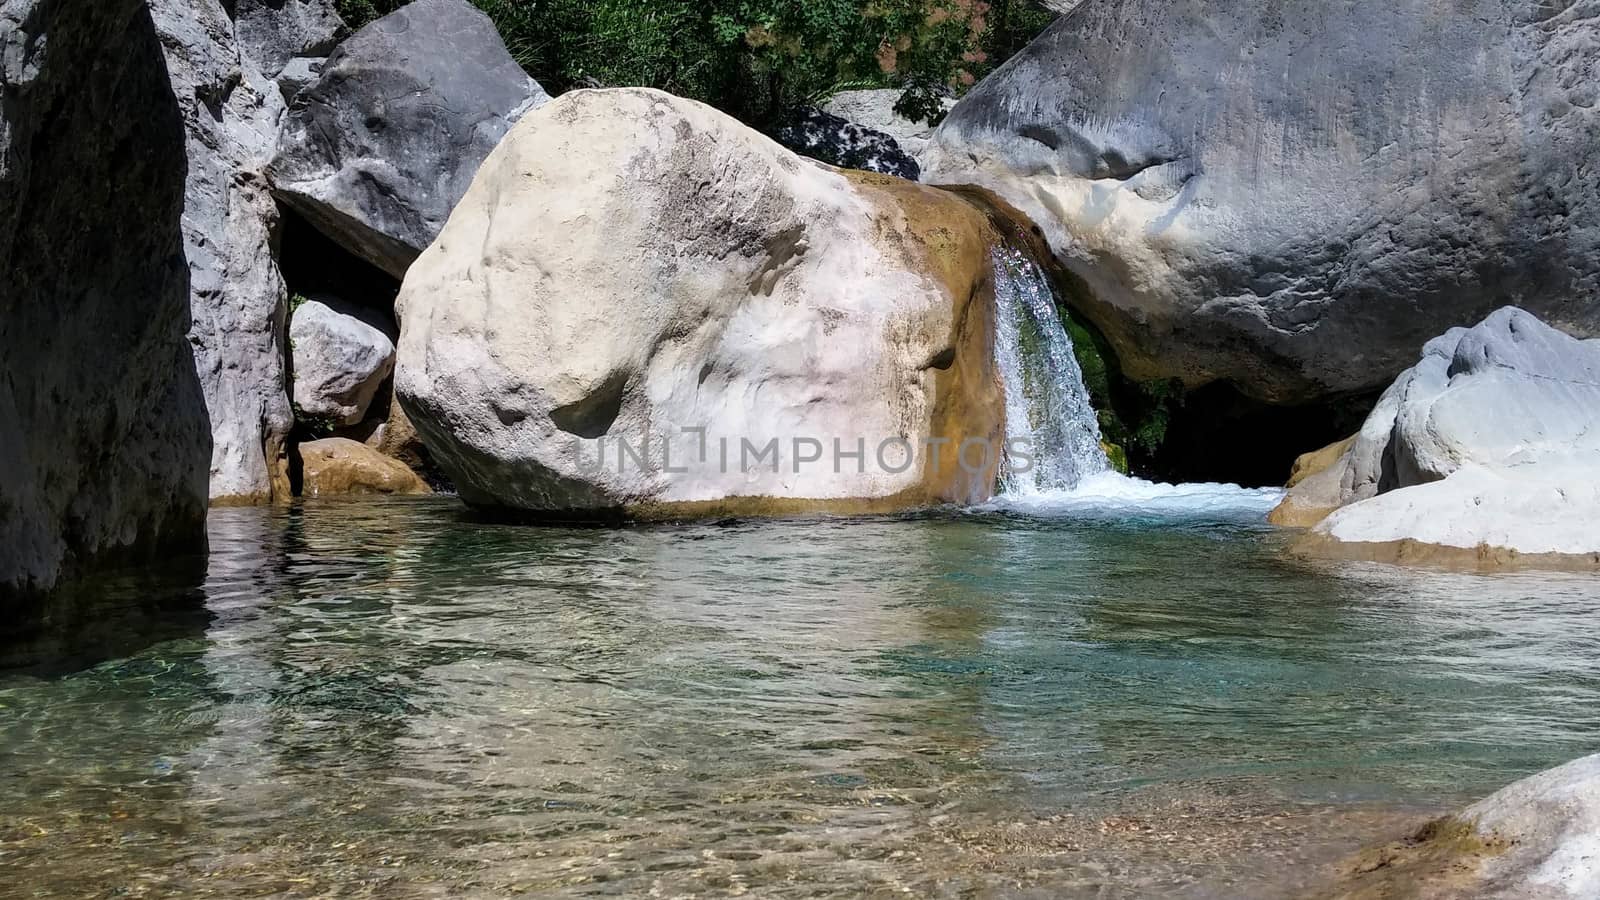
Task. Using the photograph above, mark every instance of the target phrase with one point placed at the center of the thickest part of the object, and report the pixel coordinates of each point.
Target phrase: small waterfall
(1048, 410)
(1047, 404)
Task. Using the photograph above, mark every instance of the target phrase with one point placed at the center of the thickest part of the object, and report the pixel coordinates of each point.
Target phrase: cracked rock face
(1297, 195)
(103, 439)
(379, 151)
(238, 300)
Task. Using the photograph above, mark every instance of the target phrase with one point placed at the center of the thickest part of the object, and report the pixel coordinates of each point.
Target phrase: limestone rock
(298, 75)
(874, 110)
(103, 440)
(377, 153)
(630, 264)
(397, 439)
(342, 355)
(1488, 449)
(1538, 839)
(1316, 462)
(1315, 488)
(339, 467)
(1553, 819)
(1288, 193)
(237, 298)
(273, 33)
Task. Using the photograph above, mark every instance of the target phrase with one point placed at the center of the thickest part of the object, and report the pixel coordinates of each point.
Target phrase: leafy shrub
(756, 58)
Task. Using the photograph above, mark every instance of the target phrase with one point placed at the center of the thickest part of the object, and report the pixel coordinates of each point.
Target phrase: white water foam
(1114, 497)
(1048, 407)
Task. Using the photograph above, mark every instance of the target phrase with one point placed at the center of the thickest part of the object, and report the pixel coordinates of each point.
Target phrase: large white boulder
(342, 355)
(1552, 824)
(632, 266)
(1488, 448)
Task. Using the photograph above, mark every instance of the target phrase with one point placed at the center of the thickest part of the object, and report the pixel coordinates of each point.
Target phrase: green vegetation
(1134, 415)
(755, 58)
(313, 427)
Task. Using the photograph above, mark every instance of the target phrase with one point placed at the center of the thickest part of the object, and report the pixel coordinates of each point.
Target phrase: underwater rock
(1487, 450)
(380, 149)
(103, 439)
(630, 265)
(1289, 195)
(342, 355)
(339, 467)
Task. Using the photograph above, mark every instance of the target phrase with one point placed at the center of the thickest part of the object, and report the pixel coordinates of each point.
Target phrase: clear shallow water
(388, 699)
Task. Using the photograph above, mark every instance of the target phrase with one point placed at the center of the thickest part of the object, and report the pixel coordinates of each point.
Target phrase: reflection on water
(389, 700)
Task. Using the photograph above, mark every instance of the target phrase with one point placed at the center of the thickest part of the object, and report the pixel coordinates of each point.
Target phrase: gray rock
(1296, 194)
(342, 355)
(238, 301)
(874, 109)
(273, 33)
(828, 138)
(298, 75)
(103, 437)
(1490, 443)
(379, 151)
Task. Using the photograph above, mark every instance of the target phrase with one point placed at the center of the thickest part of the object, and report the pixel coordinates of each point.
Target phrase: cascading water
(1047, 404)
(1049, 414)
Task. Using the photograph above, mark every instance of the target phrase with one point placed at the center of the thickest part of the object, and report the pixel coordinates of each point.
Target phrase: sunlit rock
(237, 298)
(632, 272)
(1488, 449)
(379, 150)
(1538, 839)
(337, 467)
(874, 109)
(1294, 195)
(342, 355)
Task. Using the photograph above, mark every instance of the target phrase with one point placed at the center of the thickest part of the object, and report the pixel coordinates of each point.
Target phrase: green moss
(1134, 415)
(1118, 457)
